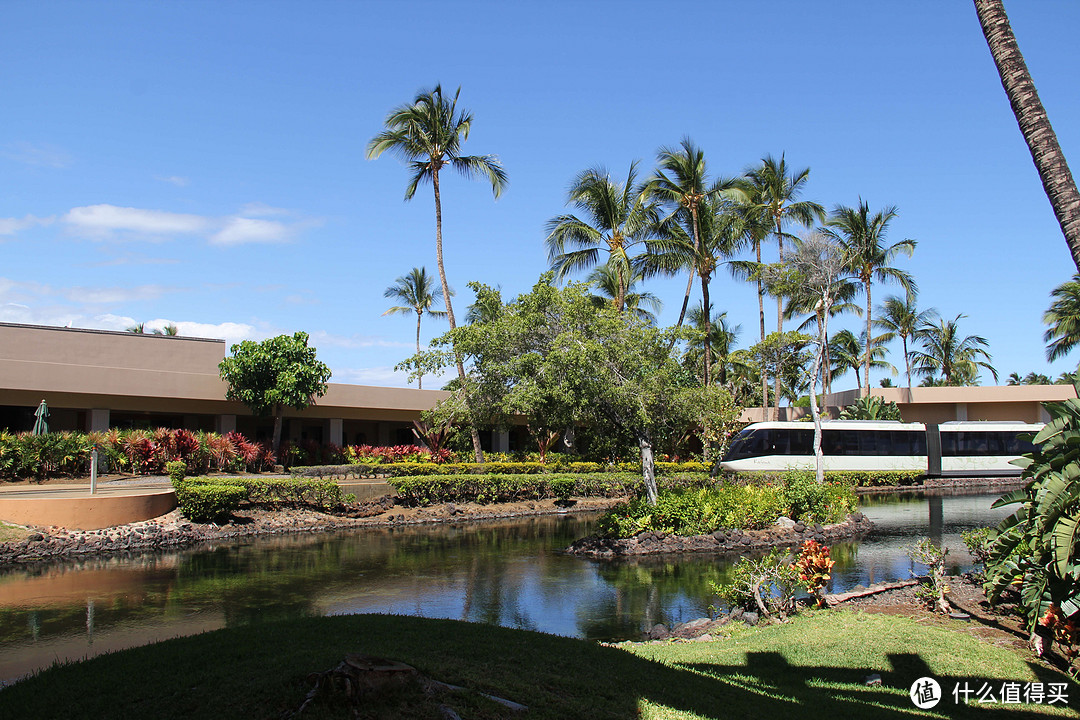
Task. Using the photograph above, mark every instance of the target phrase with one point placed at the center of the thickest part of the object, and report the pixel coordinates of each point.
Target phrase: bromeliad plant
(815, 568)
(1035, 550)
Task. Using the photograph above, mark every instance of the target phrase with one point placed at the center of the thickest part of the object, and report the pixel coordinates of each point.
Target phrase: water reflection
(507, 573)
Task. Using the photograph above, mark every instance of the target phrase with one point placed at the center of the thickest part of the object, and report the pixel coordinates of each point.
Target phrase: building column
(333, 430)
(99, 419)
(500, 441)
(961, 412)
(226, 424)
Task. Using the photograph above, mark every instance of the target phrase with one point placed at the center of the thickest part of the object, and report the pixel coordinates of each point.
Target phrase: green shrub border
(319, 493)
(405, 469)
(206, 502)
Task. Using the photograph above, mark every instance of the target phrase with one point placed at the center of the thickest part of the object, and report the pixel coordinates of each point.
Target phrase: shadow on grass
(258, 671)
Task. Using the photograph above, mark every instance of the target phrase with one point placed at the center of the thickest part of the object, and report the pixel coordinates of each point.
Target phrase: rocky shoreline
(783, 534)
(173, 531)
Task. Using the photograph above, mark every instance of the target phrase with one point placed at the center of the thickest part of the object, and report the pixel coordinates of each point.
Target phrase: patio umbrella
(41, 425)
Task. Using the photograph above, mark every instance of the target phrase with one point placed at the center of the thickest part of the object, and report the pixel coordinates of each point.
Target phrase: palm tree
(1063, 317)
(848, 352)
(138, 329)
(957, 359)
(607, 282)
(1014, 379)
(1031, 116)
(899, 318)
(617, 216)
(418, 293)
(721, 342)
(862, 236)
(169, 330)
(428, 135)
(756, 226)
(772, 191)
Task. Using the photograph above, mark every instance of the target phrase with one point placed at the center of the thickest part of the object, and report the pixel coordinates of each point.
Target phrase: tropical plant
(815, 569)
(1031, 116)
(418, 293)
(617, 217)
(900, 318)
(766, 585)
(1063, 319)
(862, 237)
(1037, 548)
(847, 351)
(169, 330)
(926, 552)
(274, 374)
(722, 339)
(428, 134)
(871, 407)
(957, 359)
(609, 283)
(780, 355)
(138, 329)
(772, 193)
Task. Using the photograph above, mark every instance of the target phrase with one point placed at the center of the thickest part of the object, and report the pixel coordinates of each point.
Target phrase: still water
(507, 573)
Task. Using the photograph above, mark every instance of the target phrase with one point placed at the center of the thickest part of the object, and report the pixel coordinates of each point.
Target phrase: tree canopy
(271, 375)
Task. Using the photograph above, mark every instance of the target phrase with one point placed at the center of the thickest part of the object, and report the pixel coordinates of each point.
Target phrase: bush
(206, 502)
(176, 469)
(318, 493)
(766, 585)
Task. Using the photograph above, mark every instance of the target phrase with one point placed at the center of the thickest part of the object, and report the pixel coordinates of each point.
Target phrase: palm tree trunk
(761, 318)
(708, 330)
(779, 317)
(697, 249)
(419, 378)
(1031, 116)
(869, 344)
(478, 452)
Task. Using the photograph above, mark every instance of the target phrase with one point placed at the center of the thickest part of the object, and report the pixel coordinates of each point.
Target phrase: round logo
(925, 693)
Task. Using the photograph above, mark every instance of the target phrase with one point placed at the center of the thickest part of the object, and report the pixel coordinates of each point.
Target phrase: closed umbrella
(41, 425)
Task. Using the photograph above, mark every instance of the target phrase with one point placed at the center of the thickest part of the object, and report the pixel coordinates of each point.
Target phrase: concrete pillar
(332, 431)
(226, 424)
(500, 441)
(99, 419)
(383, 430)
(1044, 417)
(961, 412)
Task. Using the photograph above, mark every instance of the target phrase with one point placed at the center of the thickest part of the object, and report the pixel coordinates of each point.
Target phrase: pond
(508, 573)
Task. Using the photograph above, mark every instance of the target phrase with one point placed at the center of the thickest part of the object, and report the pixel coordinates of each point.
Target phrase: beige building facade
(97, 379)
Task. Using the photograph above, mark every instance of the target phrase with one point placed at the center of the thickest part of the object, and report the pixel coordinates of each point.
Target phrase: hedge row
(492, 488)
(854, 478)
(207, 499)
(358, 470)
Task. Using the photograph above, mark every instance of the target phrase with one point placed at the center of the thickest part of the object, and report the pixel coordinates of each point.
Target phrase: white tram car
(959, 449)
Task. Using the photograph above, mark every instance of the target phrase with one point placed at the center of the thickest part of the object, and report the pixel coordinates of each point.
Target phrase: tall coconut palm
(957, 359)
(1063, 317)
(138, 329)
(418, 293)
(1057, 180)
(618, 217)
(722, 339)
(848, 352)
(862, 236)
(900, 318)
(428, 134)
(772, 193)
(757, 227)
(607, 282)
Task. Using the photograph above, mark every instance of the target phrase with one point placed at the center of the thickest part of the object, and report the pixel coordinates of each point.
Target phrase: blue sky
(203, 163)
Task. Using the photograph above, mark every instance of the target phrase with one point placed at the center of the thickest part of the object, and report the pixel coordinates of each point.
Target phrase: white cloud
(10, 226)
(241, 230)
(104, 220)
(258, 209)
(230, 332)
(38, 155)
(380, 376)
(173, 180)
(323, 338)
(112, 295)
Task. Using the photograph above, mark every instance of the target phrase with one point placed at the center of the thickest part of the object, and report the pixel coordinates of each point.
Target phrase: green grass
(12, 533)
(810, 668)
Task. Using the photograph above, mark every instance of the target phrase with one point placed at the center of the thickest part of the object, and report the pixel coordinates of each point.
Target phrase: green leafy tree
(781, 356)
(946, 353)
(1063, 319)
(616, 218)
(557, 358)
(418, 293)
(427, 134)
(862, 237)
(274, 374)
(1034, 124)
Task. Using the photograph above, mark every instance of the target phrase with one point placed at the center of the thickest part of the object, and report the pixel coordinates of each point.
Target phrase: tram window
(802, 442)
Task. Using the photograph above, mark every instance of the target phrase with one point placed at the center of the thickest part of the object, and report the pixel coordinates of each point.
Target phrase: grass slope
(812, 667)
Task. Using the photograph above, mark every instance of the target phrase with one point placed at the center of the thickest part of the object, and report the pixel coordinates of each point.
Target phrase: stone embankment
(784, 534)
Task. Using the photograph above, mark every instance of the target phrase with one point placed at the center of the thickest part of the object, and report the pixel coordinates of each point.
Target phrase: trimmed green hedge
(855, 478)
(407, 469)
(321, 493)
(492, 488)
(206, 502)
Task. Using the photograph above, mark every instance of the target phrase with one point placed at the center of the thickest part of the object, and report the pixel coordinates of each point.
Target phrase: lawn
(812, 667)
